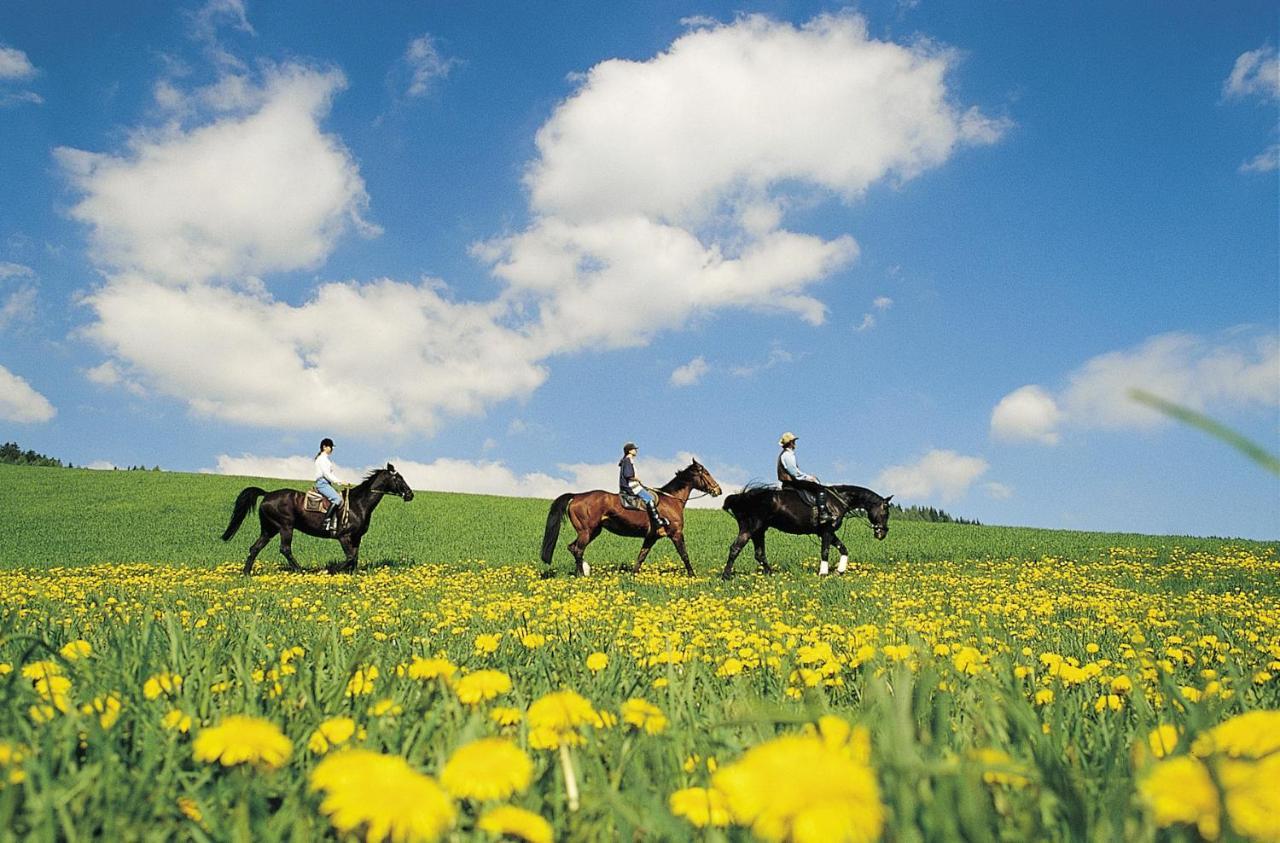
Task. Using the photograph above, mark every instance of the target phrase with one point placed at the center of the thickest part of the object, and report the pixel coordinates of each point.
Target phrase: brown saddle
(313, 501)
(630, 501)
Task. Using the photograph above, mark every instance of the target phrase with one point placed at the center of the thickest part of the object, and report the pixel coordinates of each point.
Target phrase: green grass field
(961, 682)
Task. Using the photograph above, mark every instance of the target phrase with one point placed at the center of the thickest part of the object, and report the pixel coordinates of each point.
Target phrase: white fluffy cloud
(690, 373)
(1255, 73)
(426, 64)
(14, 64)
(18, 301)
(938, 474)
(20, 403)
(660, 187)
(1029, 413)
(480, 477)
(246, 194)
(1239, 371)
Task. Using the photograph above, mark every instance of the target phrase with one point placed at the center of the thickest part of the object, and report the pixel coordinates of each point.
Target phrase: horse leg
(843, 565)
(644, 551)
(286, 548)
(757, 539)
(578, 547)
(268, 533)
(823, 569)
(678, 541)
(734, 549)
(352, 550)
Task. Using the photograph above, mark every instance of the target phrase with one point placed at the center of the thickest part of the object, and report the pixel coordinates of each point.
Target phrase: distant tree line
(929, 513)
(11, 454)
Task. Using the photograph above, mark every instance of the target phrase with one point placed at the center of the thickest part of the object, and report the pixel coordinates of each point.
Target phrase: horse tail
(244, 505)
(558, 508)
(731, 502)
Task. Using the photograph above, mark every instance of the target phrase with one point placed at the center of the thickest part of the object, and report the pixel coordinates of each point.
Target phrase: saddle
(313, 501)
(630, 501)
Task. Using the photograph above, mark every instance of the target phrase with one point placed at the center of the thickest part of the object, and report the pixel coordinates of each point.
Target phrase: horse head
(389, 482)
(703, 481)
(878, 515)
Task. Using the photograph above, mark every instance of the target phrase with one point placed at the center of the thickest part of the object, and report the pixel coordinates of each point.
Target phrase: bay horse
(591, 512)
(759, 508)
(282, 512)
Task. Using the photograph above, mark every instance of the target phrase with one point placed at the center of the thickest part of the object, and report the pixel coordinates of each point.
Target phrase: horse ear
(390, 467)
(886, 500)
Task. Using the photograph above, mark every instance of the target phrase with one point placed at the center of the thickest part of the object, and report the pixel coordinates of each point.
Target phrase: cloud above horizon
(1256, 73)
(939, 474)
(1238, 371)
(20, 403)
(652, 175)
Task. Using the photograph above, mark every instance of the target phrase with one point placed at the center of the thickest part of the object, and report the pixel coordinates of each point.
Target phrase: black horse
(759, 508)
(282, 512)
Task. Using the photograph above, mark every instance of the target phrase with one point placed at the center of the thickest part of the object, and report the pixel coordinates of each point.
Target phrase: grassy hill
(71, 517)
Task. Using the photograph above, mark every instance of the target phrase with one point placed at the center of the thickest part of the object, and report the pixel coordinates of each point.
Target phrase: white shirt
(324, 469)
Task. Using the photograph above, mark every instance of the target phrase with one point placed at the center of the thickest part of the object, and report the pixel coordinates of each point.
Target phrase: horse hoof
(548, 573)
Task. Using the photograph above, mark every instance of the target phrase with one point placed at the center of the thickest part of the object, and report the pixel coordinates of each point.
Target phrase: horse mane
(858, 496)
(681, 478)
(368, 478)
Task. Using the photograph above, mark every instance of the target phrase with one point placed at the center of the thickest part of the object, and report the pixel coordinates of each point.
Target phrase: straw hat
(787, 438)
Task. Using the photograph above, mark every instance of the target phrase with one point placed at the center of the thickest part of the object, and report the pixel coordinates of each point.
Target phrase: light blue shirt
(789, 466)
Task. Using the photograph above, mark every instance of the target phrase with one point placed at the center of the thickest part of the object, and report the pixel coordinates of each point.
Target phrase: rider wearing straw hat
(629, 484)
(789, 474)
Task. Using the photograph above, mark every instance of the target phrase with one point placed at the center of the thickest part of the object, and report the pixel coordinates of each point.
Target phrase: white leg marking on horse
(824, 569)
(586, 569)
(844, 564)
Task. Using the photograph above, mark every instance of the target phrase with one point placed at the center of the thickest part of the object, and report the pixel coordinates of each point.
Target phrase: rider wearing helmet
(789, 474)
(326, 480)
(628, 483)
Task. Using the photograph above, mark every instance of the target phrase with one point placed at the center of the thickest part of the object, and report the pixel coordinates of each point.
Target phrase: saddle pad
(630, 501)
(315, 502)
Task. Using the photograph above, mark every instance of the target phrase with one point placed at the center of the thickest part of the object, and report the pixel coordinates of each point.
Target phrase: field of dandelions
(958, 683)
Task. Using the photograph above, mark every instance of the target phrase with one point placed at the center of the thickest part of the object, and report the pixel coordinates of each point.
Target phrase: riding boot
(331, 522)
(824, 517)
(656, 521)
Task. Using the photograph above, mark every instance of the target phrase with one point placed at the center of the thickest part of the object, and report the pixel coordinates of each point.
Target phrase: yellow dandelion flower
(510, 821)
(643, 715)
(386, 707)
(555, 720)
(330, 733)
(533, 640)
(382, 795)
(432, 669)
(1044, 696)
(190, 809)
(505, 715)
(106, 707)
(240, 739)
(361, 682)
(177, 721)
(1180, 790)
(41, 670)
(167, 684)
(1105, 702)
(487, 769)
(74, 650)
(597, 662)
(798, 788)
(481, 685)
(488, 644)
(730, 667)
(1251, 790)
(1250, 735)
(701, 806)
(999, 767)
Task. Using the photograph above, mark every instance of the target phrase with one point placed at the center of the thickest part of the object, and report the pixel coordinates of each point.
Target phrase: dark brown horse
(758, 509)
(282, 512)
(591, 512)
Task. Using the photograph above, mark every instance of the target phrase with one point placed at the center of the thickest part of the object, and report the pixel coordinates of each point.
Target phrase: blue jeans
(645, 495)
(324, 487)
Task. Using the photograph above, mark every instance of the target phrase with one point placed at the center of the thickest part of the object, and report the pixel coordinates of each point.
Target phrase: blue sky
(492, 242)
